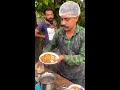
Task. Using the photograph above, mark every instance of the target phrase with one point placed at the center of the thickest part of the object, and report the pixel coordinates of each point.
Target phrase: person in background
(38, 46)
(70, 40)
(46, 29)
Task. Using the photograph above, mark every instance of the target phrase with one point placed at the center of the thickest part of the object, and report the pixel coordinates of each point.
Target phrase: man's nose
(63, 22)
(51, 16)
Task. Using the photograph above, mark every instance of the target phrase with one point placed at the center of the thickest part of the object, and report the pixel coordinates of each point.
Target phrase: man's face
(68, 23)
(49, 16)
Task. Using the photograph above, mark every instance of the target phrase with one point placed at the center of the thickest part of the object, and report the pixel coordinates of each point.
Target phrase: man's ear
(76, 18)
(44, 15)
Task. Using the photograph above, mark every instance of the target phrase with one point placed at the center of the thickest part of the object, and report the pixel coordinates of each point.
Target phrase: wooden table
(60, 82)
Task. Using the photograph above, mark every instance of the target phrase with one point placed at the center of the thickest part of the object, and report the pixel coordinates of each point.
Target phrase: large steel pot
(47, 81)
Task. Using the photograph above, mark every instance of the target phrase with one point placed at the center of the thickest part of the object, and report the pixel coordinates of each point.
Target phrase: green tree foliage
(40, 5)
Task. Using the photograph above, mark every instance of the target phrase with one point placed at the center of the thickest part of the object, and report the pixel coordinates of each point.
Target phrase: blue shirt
(42, 27)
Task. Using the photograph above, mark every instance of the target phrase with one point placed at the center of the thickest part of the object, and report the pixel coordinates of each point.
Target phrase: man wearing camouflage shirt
(70, 40)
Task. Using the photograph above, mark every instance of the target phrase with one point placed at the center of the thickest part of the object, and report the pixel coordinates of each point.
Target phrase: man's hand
(42, 36)
(38, 35)
(61, 57)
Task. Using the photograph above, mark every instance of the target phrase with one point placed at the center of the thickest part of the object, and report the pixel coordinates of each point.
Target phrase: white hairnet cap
(69, 8)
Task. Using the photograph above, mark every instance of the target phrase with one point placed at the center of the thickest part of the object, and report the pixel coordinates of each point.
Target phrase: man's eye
(67, 19)
(61, 18)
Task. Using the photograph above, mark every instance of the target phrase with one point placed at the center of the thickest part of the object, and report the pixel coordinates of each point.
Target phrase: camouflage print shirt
(73, 51)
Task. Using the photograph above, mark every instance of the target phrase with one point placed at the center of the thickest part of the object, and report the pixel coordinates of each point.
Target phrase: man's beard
(50, 20)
